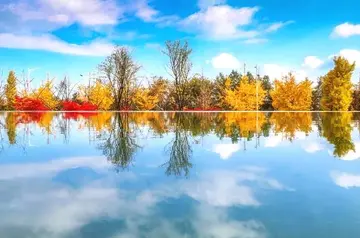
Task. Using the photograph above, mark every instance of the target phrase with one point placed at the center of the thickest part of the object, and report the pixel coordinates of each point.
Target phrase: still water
(207, 175)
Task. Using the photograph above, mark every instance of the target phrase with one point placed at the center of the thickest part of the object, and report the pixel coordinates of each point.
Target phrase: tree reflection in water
(117, 135)
(120, 144)
(336, 128)
(179, 149)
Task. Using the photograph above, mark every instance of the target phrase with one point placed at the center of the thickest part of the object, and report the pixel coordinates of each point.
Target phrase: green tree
(336, 86)
(10, 90)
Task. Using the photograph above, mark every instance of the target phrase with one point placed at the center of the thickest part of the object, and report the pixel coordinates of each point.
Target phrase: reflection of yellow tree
(239, 125)
(336, 128)
(156, 121)
(100, 121)
(291, 122)
(45, 121)
(10, 124)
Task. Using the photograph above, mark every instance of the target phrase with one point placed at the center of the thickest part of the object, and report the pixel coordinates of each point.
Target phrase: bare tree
(179, 67)
(120, 71)
(64, 89)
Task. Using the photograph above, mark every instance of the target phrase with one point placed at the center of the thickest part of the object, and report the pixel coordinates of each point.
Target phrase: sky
(54, 38)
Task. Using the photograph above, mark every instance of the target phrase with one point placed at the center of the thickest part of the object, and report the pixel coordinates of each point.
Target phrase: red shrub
(29, 104)
(73, 106)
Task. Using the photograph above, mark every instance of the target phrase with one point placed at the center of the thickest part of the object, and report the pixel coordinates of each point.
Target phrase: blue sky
(61, 37)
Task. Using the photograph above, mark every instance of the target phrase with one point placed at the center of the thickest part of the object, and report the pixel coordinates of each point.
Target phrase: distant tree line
(118, 88)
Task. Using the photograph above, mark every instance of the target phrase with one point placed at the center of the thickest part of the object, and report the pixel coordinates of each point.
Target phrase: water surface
(117, 175)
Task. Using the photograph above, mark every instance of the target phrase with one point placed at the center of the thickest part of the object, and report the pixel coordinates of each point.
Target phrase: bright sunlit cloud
(226, 150)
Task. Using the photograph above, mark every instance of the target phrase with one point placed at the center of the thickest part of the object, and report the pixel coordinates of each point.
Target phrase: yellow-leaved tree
(247, 96)
(337, 87)
(100, 95)
(142, 100)
(45, 93)
(10, 90)
(288, 95)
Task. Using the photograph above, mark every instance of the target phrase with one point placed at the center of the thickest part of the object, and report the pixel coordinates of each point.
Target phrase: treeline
(118, 87)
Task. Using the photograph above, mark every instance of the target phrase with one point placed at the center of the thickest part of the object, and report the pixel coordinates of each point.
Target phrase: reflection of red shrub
(73, 106)
(26, 118)
(29, 104)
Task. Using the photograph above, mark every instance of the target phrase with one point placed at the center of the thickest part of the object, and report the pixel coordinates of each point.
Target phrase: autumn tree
(120, 71)
(200, 93)
(247, 96)
(179, 67)
(45, 93)
(142, 99)
(10, 91)
(161, 89)
(100, 95)
(336, 86)
(288, 95)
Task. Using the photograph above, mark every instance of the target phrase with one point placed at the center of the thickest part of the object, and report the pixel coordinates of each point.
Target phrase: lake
(228, 175)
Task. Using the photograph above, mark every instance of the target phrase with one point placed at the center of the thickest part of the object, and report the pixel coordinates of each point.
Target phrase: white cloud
(312, 62)
(276, 26)
(31, 170)
(53, 44)
(221, 22)
(203, 4)
(345, 180)
(346, 30)
(256, 41)
(85, 12)
(225, 150)
(313, 147)
(145, 12)
(156, 46)
(275, 71)
(351, 55)
(225, 61)
(273, 141)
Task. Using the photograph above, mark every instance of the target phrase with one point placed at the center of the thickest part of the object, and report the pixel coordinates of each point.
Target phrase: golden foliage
(337, 130)
(100, 95)
(240, 124)
(10, 90)
(46, 95)
(100, 121)
(247, 96)
(291, 96)
(289, 123)
(337, 87)
(10, 124)
(142, 99)
(45, 121)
